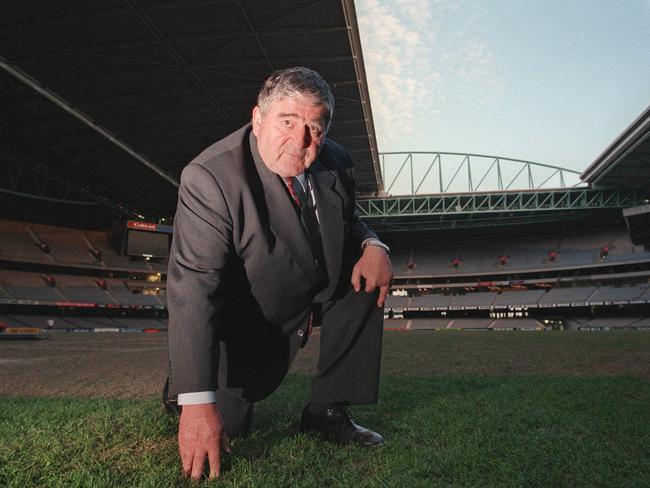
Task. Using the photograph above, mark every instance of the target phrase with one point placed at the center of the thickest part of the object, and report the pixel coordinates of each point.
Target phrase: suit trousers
(351, 326)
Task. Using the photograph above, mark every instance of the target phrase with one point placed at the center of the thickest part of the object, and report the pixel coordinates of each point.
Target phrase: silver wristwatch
(375, 242)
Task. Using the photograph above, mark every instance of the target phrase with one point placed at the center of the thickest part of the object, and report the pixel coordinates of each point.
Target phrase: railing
(443, 172)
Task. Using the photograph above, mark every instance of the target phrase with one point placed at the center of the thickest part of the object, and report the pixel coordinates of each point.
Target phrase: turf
(468, 425)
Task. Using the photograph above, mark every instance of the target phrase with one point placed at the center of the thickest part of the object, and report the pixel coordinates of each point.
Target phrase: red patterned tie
(289, 181)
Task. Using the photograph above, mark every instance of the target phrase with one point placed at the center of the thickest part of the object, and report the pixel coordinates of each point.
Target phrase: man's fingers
(370, 285)
(214, 458)
(197, 465)
(225, 446)
(356, 278)
(383, 293)
(186, 459)
(200, 436)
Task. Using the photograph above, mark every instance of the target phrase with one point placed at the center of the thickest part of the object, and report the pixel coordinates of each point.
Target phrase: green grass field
(457, 409)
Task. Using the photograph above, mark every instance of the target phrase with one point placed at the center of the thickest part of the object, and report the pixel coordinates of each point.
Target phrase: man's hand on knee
(201, 433)
(375, 268)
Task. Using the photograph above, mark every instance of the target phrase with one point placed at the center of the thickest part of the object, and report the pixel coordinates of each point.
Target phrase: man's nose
(302, 135)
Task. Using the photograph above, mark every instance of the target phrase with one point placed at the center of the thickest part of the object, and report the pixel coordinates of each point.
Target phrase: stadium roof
(626, 161)
(108, 100)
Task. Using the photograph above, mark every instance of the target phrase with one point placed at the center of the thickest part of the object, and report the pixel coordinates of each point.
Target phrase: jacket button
(301, 332)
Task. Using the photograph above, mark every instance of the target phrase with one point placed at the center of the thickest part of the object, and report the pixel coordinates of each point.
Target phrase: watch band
(375, 242)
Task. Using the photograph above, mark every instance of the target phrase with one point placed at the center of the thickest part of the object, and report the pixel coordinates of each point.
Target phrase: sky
(547, 81)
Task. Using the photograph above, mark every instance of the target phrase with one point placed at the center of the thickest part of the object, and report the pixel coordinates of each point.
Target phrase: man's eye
(286, 123)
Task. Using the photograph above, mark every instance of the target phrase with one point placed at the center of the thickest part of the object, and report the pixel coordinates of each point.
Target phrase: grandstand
(62, 278)
(588, 290)
(587, 270)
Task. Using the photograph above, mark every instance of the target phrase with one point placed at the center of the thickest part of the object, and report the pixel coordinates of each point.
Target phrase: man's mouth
(299, 155)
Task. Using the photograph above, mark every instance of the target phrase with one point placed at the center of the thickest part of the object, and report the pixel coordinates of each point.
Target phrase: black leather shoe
(335, 424)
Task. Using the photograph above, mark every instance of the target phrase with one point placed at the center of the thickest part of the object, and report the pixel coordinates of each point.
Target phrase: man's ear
(256, 119)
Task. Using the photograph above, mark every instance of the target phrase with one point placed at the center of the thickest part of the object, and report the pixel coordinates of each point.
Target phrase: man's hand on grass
(201, 434)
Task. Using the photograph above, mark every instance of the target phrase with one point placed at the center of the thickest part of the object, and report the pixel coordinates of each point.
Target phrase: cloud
(395, 41)
(415, 62)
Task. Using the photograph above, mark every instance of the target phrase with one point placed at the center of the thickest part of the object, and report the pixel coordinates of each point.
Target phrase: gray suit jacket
(240, 262)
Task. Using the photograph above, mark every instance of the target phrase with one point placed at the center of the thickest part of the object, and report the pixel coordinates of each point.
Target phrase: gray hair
(296, 81)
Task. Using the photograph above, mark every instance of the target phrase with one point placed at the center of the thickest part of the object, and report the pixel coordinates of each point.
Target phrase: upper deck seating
(67, 246)
(428, 256)
(19, 241)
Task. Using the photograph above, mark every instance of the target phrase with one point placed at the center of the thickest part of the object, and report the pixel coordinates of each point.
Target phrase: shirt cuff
(197, 398)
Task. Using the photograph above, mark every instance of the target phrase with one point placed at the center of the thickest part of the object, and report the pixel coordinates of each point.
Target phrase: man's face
(290, 134)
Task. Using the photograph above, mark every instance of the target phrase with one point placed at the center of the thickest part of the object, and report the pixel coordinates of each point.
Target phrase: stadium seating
(614, 294)
(612, 322)
(643, 323)
(524, 253)
(125, 297)
(393, 301)
(430, 301)
(479, 299)
(18, 244)
(22, 285)
(66, 246)
(30, 286)
(139, 323)
(62, 251)
(645, 296)
(517, 324)
(60, 322)
(20, 241)
(518, 298)
(567, 296)
(3, 293)
(469, 323)
(33, 320)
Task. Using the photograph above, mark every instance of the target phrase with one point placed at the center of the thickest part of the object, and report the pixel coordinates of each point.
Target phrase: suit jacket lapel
(329, 206)
(283, 219)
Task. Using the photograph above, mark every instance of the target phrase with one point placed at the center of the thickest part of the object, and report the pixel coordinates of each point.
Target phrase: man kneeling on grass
(267, 244)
